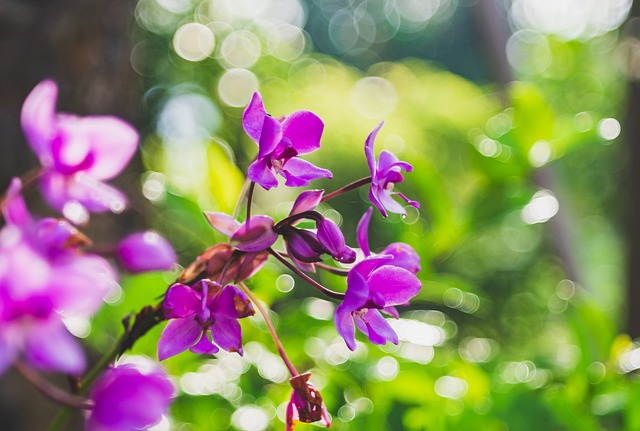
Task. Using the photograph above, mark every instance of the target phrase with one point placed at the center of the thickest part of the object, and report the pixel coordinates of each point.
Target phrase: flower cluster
(48, 271)
(49, 274)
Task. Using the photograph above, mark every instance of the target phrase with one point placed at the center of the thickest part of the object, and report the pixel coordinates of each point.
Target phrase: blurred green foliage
(499, 338)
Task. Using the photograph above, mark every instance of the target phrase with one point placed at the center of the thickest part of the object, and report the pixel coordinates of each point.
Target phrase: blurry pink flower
(129, 397)
(145, 251)
(77, 153)
(42, 274)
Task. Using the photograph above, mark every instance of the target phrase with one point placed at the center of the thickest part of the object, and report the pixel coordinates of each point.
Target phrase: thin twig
(272, 330)
(328, 292)
(352, 186)
(48, 390)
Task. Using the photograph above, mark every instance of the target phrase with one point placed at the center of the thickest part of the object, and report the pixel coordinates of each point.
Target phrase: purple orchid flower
(254, 235)
(384, 174)
(403, 254)
(304, 246)
(207, 308)
(373, 285)
(280, 142)
(77, 153)
(145, 251)
(43, 274)
(306, 403)
(129, 397)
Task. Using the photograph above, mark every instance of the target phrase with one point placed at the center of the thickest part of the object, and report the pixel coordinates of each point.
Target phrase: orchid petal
(204, 346)
(331, 237)
(344, 325)
(299, 172)
(404, 256)
(389, 203)
(227, 334)
(38, 119)
(255, 234)
(306, 201)
(388, 162)
(369, 152)
(178, 336)
(180, 301)
(363, 232)
(94, 195)
(49, 346)
(223, 223)
(232, 302)
(304, 130)
(14, 209)
(146, 251)
(110, 141)
(270, 136)
(262, 174)
(373, 197)
(357, 292)
(395, 284)
(253, 117)
(379, 330)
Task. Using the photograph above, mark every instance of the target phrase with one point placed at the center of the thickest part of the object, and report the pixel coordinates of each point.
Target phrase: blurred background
(521, 119)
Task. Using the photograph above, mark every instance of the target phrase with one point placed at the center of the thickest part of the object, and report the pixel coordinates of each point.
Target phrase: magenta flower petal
(94, 195)
(178, 336)
(78, 284)
(14, 209)
(204, 346)
(262, 174)
(303, 245)
(304, 130)
(343, 320)
(363, 232)
(255, 234)
(270, 137)
(223, 223)
(227, 333)
(38, 119)
(306, 201)
(306, 404)
(389, 164)
(146, 251)
(128, 397)
(232, 302)
(180, 301)
(253, 117)
(396, 285)
(376, 327)
(368, 149)
(298, 172)
(404, 256)
(51, 347)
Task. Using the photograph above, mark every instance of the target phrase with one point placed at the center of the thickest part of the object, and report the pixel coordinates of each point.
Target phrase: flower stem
(337, 271)
(272, 330)
(252, 187)
(243, 192)
(52, 392)
(352, 186)
(328, 292)
(311, 215)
